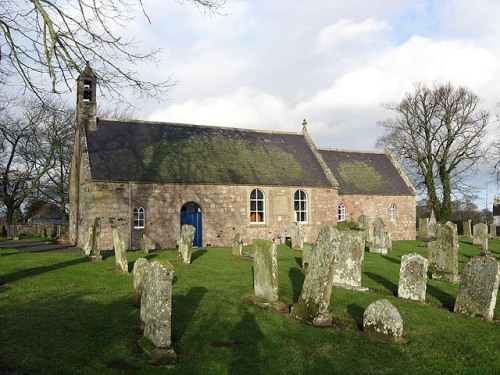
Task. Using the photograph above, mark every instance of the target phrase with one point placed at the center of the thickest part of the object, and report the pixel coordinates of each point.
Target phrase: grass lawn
(62, 314)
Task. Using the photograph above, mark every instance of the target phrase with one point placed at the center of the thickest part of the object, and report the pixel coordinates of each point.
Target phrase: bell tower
(86, 105)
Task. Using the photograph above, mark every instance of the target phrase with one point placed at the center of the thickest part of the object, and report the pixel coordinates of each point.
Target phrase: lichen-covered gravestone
(467, 228)
(382, 321)
(480, 231)
(423, 227)
(237, 244)
(95, 252)
(265, 269)
(351, 255)
(314, 301)
(297, 237)
(364, 226)
(477, 293)
(120, 251)
(156, 313)
(381, 242)
(443, 253)
(87, 247)
(138, 271)
(307, 254)
(146, 245)
(186, 243)
(413, 277)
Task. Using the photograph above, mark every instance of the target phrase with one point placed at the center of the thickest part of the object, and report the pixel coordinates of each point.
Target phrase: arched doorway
(191, 214)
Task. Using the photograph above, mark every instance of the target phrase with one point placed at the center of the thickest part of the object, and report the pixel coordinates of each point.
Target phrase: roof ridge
(357, 151)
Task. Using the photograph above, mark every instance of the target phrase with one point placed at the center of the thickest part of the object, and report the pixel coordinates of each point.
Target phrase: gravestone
(297, 237)
(146, 244)
(477, 292)
(381, 241)
(120, 251)
(265, 269)
(238, 244)
(307, 254)
(432, 224)
(413, 277)
(423, 227)
(314, 301)
(480, 230)
(138, 271)
(467, 228)
(350, 261)
(95, 252)
(443, 253)
(485, 250)
(382, 321)
(364, 226)
(186, 243)
(156, 313)
(493, 230)
(87, 247)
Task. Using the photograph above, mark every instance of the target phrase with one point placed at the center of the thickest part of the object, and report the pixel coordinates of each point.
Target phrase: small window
(300, 206)
(139, 218)
(257, 205)
(342, 212)
(392, 212)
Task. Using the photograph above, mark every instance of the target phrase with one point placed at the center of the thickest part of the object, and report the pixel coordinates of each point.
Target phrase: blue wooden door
(191, 214)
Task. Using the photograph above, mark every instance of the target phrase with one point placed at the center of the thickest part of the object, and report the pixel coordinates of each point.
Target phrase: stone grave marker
(381, 241)
(480, 230)
(156, 313)
(423, 227)
(297, 237)
(95, 252)
(307, 254)
(443, 253)
(146, 244)
(485, 250)
(186, 243)
(467, 228)
(237, 244)
(432, 224)
(382, 321)
(350, 260)
(314, 301)
(265, 269)
(120, 251)
(493, 230)
(87, 248)
(138, 271)
(477, 292)
(364, 226)
(413, 277)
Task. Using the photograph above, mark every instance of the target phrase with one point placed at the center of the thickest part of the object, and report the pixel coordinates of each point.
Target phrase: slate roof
(367, 173)
(181, 153)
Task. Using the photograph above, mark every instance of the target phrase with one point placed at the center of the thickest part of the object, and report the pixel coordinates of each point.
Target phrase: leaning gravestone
(314, 301)
(265, 269)
(237, 244)
(186, 243)
(120, 251)
(413, 277)
(95, 252)
(480, 230)
(477, 293)
(297, 237)
(467, 229)
(382, 321)
(156, 313)
(443, 253)
(140, 266)
(423, 227)
(381, 242)
(351, 255)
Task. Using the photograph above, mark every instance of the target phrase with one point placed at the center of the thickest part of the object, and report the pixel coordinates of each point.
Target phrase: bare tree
(437, 136)
(54, 39)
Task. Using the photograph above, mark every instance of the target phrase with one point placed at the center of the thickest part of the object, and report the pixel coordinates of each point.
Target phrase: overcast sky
(270, 64)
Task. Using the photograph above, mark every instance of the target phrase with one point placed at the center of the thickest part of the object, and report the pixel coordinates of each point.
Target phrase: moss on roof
(360, 176)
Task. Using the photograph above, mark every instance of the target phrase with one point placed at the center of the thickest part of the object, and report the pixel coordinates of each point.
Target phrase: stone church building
(151, 177)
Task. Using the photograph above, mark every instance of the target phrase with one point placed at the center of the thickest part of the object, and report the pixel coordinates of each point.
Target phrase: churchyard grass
(62, 314)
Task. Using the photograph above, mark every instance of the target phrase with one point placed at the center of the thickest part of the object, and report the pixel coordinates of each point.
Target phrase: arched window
(257, 206)
(300, 206)
(139, 218)
(392, 212)
(341, 212)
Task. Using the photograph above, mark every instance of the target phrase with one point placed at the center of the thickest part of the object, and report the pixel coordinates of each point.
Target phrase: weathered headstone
(314, 301)
(432, 224)
(146, 245)
(477, 293)
(485, 250)
(466, 228)
(443, 253)
(238, 244)
(351, 255)
(413, 277)
(382, 321)
(480, 230)
(265, 269)
(87, 248)
(364, 226)
(186, 243)
(493, 230)
(297, 237)
(381, 241)
(138, 273)
(120, 251)
(156, 313)
(95, 252)
(307, 254)
(423, 227)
